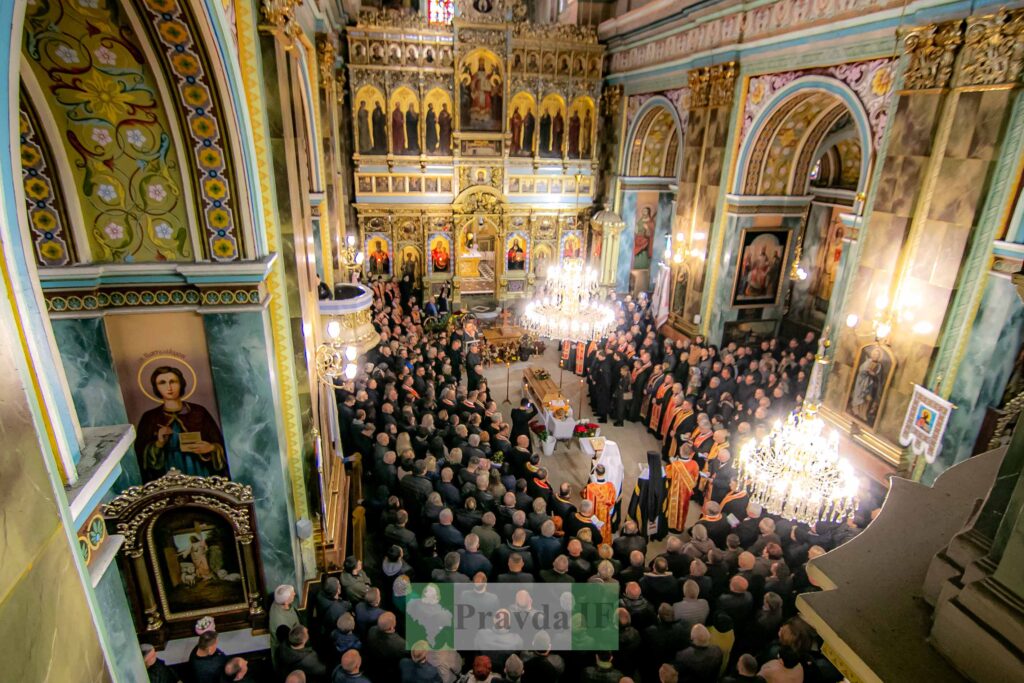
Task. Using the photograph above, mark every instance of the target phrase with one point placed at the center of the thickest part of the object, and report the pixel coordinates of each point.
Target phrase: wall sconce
(350, 258)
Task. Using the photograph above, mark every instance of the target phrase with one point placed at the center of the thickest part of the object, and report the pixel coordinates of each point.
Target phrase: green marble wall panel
(626, 237)
(240, 354)
(89, 367)
(117, 617)
(995, 340)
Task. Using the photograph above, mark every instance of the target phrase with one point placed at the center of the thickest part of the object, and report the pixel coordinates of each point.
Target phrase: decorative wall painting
(522, 123)
(760, 267)
(543, 255)
(646, 226)
(571, 245)
(164, 372)
(440, 250)
(378, 254)
(371, 121)
(404, 119)
(437, 123)
(580, 128)
(551, 126)
(412, 262)
(516, 252)
(873, 371)
(481, 92)
(198, 560)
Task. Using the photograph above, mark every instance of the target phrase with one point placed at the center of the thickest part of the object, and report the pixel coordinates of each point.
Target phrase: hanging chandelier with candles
(567, 305)
(796, 471)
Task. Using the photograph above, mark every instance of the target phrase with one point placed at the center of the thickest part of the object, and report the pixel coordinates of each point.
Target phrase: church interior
(309, 303)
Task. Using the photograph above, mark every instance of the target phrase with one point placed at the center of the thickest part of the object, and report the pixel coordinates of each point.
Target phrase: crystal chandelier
(796, 472)
(567, 307)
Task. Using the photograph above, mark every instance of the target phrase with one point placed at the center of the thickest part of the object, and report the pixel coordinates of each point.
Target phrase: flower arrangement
(205, 624)
(540, 430)
(542, 374)
(584, 429)
(561, 412)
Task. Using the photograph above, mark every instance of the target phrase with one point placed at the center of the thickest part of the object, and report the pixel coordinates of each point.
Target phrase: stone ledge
(99, 467)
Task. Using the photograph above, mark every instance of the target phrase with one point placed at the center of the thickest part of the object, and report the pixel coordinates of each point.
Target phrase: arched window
(440, 11)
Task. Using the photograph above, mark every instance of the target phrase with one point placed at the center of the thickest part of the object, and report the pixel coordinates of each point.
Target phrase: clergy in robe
(444, 127)
(653, 383)
(380, 127)
(397, 131)
(363, 126)
(557, 133)
(412, 127)
(659, 403)
(675, 404)
(567, 351)
(431, 129)
(682, 474)
(516, 124)
(719, 443)
(735, 501)
(601, 387)
(641, 373)
(602, 494)
(545, 134)
(680, 429)
(647, 505)
(574, 135)
(529, 124)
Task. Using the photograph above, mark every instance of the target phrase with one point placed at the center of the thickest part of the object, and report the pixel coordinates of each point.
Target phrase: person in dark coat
(623, 387)
(702, 661)
(156, 669)
(521, 417)
(601, 386)
(647, 505)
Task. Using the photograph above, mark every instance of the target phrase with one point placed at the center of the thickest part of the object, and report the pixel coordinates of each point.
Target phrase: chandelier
(349, 333)
(567, 307)
(796, 472)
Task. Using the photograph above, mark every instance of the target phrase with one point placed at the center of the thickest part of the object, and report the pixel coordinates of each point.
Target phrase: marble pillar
(995, 338)
(240, 361)
(625, 262)
(117, 617)
(92, 379)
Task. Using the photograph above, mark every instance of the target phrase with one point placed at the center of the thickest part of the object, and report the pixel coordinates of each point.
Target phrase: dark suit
(521, 421)
(699, 664)
(448, 537)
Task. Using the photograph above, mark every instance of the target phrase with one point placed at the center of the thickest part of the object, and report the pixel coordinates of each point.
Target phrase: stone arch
(786, 138)
(655, 141)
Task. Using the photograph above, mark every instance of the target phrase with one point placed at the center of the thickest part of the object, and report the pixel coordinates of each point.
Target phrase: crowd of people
(456, 493)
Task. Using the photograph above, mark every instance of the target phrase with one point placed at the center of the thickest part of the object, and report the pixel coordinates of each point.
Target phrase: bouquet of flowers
(561, 412)
(541, 374)
(540, 430)
(585, 429)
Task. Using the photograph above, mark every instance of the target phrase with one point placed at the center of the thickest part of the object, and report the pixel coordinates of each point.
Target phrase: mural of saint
(571, 247)
(557, 133)
(529, 124)
(761, 268)
(412, 127)
(410, 263)
(870, 380)
(440, 256)
(380, 262)
(587, 133)
(430, 132)
(397, 130)
(545, 133)
(643, 241)
(574, 135)
(483, 6)
(380, 127)
(516, 126)
(516, 255)
(444, 127)
(481, 94)
(178, 433)
(363, 125)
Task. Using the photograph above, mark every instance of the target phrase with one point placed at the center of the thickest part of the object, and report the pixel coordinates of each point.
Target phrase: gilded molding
(699, 88)
(993, 50)
(723, 82)
(325, 56)
(931, 52)
(278, 13)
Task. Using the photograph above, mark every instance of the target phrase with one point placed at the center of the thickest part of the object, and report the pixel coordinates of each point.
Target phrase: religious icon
(522, 124)
(440, 254)
(483, 6)
(571, 247)
(378, 261)
(872, 373)
(760, 267)
(405, 122)
(552, 126)
(541, 258)
(531, 62)
(581, 129)
(826, 266)
(411, 262)
(371, 121)
(516, 256)
(643, 238)
(199, 565)
(481, 92)
(176, 434)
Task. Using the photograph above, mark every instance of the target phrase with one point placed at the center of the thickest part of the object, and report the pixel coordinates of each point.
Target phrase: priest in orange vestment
(682, 474)
(602, 494)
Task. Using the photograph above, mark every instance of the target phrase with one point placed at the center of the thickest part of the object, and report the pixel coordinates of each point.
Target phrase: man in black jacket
(521, 417)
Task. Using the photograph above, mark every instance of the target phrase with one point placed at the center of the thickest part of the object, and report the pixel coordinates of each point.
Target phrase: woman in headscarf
(647, 506)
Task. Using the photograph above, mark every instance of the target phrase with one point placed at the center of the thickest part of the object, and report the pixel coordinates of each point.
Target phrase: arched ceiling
(786, 145)
(655, 148)
(135, 126)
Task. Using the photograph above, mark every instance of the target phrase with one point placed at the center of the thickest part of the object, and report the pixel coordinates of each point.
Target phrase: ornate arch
(654, 141)
(786, 137)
